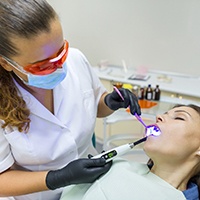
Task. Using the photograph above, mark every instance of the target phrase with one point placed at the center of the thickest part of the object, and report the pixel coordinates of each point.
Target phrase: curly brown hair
(13, 109)
(24, 19)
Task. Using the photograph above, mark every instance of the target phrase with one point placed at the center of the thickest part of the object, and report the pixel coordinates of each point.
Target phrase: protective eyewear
(47, 66)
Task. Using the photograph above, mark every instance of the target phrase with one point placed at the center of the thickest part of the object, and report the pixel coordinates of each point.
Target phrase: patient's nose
(159, 118)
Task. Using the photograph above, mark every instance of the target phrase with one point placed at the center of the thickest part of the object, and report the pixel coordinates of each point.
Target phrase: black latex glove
(79, 171)
(114, 101)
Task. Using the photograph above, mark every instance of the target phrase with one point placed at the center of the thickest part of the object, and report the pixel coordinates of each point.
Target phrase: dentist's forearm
(14, 182)
(103, 109)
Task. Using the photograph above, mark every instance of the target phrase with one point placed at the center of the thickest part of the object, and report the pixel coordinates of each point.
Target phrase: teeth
(152, 130)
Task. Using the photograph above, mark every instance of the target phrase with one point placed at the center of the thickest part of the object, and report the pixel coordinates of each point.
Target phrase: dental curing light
(118, 151)
(121, 150)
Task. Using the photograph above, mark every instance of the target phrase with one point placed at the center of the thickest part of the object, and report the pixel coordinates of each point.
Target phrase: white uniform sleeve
(6, 158)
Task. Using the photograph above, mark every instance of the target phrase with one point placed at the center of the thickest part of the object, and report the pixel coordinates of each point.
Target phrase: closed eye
(179, 118)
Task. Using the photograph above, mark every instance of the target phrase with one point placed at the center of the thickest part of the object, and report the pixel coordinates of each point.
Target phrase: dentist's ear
(5, 64)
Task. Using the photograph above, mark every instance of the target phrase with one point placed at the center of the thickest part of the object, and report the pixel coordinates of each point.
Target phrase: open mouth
(153, 130)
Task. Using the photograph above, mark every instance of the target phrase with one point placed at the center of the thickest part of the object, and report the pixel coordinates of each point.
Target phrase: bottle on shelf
(141, 93)
(135, 90)
(149, 93)
(156, 93)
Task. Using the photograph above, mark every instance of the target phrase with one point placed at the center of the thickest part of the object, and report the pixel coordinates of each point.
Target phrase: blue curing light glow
(152, 130)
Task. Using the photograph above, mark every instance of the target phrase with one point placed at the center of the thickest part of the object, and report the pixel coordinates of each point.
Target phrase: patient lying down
(172, 172)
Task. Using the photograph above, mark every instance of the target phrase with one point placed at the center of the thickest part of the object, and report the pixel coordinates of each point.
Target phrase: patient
(173, 172)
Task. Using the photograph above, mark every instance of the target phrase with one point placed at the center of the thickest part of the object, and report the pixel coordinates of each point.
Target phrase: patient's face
(180, 135)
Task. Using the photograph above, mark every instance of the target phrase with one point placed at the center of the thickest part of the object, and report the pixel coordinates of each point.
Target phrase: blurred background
(153, 34)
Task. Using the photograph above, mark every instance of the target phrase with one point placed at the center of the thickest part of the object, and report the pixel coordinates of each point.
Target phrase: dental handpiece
(118, 151)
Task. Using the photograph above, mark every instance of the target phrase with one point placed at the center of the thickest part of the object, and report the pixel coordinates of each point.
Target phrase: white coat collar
(37, 108)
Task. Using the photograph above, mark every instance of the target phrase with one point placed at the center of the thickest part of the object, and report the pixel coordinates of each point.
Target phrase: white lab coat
(55, 140)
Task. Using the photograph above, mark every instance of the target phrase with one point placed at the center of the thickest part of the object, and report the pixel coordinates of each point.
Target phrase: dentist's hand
(114, 101)
(79, 171)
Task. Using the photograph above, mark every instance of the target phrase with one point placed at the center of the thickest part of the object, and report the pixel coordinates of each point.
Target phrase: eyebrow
(183, 111)
(177, 111)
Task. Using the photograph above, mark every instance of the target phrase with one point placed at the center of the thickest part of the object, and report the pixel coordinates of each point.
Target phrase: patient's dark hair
(196, 177)
(19, 19)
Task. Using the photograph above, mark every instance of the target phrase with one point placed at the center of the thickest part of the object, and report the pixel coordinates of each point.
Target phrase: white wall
(157, 34)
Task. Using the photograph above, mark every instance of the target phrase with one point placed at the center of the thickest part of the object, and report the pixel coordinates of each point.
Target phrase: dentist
(49, 100)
